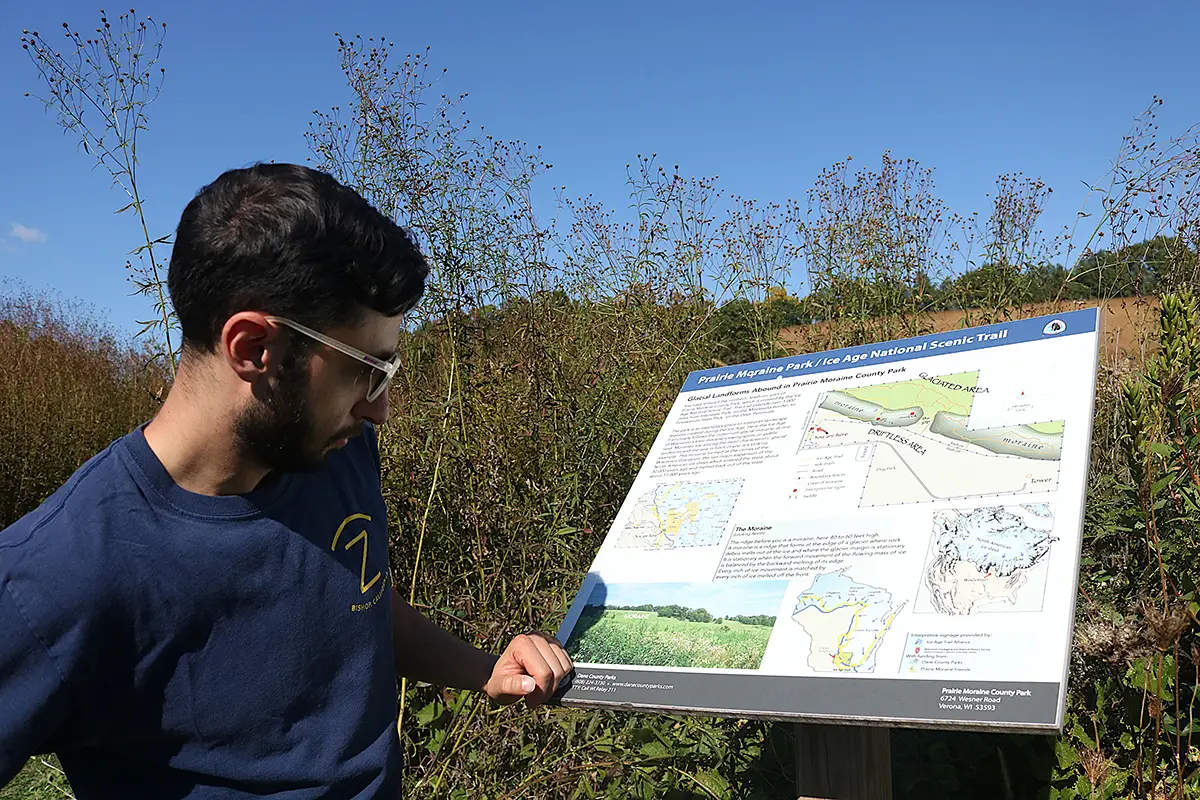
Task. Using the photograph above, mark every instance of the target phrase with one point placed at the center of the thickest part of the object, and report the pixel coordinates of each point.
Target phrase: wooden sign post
(843, 762)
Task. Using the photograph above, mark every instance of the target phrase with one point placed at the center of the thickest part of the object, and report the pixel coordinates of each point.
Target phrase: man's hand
(531, 667)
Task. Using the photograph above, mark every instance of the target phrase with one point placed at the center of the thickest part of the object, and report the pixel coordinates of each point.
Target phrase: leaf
(1115, 783)
(428, 713)
(1081, 736)
(712, 783)
(640, 735)
(1171, 727)
(655, 749)
(1067, 755)
(584, 789)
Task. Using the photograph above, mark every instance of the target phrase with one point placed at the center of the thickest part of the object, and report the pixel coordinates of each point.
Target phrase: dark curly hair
(288, 240)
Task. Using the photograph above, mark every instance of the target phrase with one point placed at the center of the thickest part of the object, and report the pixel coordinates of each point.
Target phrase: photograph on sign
(881, 534)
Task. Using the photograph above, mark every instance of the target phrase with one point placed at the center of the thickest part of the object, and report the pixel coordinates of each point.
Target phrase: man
(205, 608)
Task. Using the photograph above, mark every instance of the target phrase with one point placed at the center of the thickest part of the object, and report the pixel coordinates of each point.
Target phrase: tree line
(676, 611)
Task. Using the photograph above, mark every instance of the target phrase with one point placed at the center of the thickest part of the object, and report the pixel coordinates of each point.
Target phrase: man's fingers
(553, 666)
(517, 685)
(555, 657)
(533, 661)
(544, 662)
(560, 654)
(563, 658)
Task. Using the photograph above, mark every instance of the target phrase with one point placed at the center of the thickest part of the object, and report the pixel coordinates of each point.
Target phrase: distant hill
(1128, 325)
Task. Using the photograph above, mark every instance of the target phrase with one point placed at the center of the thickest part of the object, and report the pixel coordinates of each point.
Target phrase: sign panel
(886, 534)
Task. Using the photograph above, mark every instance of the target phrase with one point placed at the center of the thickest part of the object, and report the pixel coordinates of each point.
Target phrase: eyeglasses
(380, 376)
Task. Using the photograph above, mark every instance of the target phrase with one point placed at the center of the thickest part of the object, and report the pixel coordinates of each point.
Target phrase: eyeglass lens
(376, 383)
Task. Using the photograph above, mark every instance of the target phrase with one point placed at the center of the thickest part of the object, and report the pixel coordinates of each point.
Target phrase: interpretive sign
(886, 534)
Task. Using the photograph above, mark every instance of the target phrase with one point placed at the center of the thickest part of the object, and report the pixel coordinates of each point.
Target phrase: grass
(68, 388)
(603, 636)
(41, 779)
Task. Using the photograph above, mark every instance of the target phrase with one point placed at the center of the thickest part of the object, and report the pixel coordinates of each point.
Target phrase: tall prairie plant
(875, 244)
(100, 87)
(535, 379)
(417, 157)
(1151, 193)
(1134, 716)
(1012, 248)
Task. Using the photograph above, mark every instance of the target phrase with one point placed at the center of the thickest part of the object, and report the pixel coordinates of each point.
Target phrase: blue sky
(722, 599)
(762, 94)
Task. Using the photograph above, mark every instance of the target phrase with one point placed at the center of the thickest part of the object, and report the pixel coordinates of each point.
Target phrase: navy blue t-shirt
(168, 644)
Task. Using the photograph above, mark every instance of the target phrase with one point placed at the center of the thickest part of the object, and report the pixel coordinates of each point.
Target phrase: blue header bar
(1085, 320)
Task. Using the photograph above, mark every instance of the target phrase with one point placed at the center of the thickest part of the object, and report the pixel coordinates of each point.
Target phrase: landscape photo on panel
(689, 625)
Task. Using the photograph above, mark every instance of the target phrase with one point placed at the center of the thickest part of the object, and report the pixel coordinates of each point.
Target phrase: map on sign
(987, 560)
(922, 446)
(887, 533)
(846, 621)
(681, 514)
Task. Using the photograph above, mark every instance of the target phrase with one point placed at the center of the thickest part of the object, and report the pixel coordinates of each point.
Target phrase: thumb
(516, 685)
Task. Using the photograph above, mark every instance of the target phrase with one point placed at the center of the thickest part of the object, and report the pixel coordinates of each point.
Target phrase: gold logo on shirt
(364, 584)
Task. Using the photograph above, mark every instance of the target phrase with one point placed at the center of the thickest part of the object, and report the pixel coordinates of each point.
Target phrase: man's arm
(33, 698)
(531, 666)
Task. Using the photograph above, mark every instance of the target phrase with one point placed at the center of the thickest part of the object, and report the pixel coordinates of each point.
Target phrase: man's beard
(277, 429)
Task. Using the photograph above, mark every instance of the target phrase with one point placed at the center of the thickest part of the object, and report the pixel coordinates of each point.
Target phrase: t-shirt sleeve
(34, 700)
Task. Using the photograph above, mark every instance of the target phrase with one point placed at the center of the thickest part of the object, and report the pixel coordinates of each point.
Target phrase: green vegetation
(67, 374)
(658, 639)
(920, 392)
(42, 779)
(695, 614)
(547, 357)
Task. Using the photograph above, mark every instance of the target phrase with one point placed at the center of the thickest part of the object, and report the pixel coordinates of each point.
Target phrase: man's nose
(377, 410)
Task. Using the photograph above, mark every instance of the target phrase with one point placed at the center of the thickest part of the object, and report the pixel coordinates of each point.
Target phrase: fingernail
(528, 684)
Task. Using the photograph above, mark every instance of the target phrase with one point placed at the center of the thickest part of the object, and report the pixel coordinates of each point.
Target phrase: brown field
(1128, 327)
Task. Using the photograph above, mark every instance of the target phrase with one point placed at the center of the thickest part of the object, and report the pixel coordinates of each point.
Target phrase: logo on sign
(1054, 326)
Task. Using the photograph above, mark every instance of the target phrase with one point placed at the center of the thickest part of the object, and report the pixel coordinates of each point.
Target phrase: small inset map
(921, 447)
(681, 514)
(987, 560)
(846, 622)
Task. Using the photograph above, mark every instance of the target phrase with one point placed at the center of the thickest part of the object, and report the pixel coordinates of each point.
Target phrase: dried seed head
(1104, 640)
(1165, 628)
(1095, 765)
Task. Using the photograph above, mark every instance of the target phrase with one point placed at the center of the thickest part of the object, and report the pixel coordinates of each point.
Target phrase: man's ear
(251, 345)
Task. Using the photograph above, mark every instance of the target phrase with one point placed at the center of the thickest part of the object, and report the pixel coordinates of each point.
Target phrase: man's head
(285, 241)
